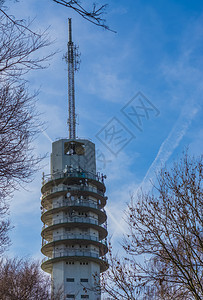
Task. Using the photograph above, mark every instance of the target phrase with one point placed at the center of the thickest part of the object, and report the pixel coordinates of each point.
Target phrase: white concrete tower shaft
(74, 232)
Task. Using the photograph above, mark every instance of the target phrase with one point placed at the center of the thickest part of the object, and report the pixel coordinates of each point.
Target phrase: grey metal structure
(74, 219)
(72, 65)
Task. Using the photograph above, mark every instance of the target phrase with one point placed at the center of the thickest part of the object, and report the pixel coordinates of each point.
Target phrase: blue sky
(157, 51)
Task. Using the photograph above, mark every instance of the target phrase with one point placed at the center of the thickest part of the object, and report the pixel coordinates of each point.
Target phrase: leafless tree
(164, 249)
(95, 14)
(18, 126)
(18, 116)
(4, 227)
(19, 120)
(19, 46)
(24, 280)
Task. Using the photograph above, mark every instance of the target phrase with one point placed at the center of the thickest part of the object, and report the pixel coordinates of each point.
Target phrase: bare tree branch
(95, 15)
(23, 280)
(19, 120)
(17, 49)
(4, 227)
(18, 126)
(164, 250)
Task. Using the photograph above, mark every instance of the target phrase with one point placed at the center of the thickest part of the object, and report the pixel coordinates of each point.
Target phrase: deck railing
(77, 174)
(75, 253)
(72, 188)
(74, 236)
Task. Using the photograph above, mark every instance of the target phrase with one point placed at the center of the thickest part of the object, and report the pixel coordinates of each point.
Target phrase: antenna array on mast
(72, 58)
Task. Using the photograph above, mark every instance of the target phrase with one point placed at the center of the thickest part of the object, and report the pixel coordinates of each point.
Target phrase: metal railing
(87, 220)
(75, 253)
(78, 174)
(78, 202)
(74, 236)
(76, 219)
(72, 188)
(73, 220)
(87, 203)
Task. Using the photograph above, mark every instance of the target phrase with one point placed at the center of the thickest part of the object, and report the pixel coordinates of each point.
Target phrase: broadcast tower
(72, 202)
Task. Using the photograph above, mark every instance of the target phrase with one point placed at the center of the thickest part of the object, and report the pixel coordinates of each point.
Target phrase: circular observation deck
(75, 190)
(47, 216)
(80, 256)
(49, 247)
(75, 177)
(75, 222)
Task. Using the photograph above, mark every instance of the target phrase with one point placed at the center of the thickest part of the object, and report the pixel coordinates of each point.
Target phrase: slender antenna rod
(71, 58)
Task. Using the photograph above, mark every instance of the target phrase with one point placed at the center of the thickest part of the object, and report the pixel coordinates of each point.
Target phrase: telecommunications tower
(73, 199)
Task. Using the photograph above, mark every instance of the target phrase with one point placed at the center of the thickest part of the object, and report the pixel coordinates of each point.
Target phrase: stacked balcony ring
(73, 196)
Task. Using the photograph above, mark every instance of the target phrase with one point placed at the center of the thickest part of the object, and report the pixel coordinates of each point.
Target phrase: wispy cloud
(109, 84)
(47, 136)
(185, 77)
(169, 144)
(119, 226)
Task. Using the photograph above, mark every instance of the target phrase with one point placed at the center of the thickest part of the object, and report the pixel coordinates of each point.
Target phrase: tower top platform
(74, 153)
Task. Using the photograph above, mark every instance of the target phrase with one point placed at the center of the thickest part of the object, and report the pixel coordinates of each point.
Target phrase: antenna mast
(72, 58)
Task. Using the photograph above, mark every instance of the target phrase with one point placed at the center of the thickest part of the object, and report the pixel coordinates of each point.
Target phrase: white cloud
(169, 144)
(108, 84)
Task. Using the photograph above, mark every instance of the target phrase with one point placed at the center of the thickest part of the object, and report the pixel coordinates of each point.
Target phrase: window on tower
(83, 279)
(70, 279)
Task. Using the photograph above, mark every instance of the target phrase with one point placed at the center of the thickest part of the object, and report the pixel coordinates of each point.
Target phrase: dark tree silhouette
(95, 14)
(19, 119)
(19, 122)
(18, 126)
(4, 227)
(164, 247)
(24, 280)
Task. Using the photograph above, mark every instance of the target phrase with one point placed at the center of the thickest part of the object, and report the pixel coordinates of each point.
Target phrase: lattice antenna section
(72, 58)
